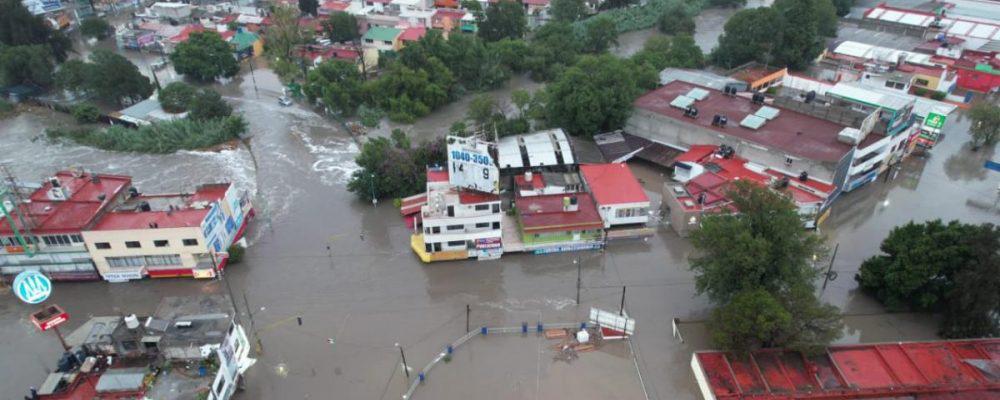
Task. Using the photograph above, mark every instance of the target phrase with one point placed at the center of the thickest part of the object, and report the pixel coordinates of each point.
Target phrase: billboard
(471, 166)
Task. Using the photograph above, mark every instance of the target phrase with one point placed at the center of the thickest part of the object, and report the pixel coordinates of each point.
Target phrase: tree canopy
(310, 7)
(676, 20)
(932, 266)
(757, 266)
(393, 168)
(985, 125)
(789, 33)
(567, 10)
(600, 34)
(205, 57)
(108, 76)
(595, 95)
(660, 52)
(176, 97)
(337, 84)
(96, 28)
(19, 28)
(503, 19)
(341, 27)
(26, 64)
(284, 32)
(208, 105)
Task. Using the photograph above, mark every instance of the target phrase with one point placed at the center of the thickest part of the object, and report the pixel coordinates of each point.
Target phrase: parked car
(159, 65)
(285, 101)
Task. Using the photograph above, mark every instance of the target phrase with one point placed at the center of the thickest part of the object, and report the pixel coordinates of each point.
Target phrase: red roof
(613, 183)
(184, 217)
(696, 153)
(413, 34)
(797, 134)
(470, 197)
(961, 370)
(78, 211)
(537, 182)
(186, 33)
(437, 175)
(545, 213)
(334, 5)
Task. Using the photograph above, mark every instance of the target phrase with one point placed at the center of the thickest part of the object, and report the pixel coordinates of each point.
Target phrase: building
(559, 222)
(411, 35)
(704, 175)
(548, 150)
(171, 11)
(894, 69)
(759, 77)
(183, 234)
(382, 38)
(454, 223)
(145, 112)
(620, 199)
(246, 44)
(118, 357)
(832, 145)
(42, 228)
(954, 370)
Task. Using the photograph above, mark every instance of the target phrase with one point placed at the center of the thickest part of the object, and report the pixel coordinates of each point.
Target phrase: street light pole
(403, 356)
(374, 199)
(579, 271)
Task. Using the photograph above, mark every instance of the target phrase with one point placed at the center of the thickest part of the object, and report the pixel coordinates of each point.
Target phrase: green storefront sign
(935, 121)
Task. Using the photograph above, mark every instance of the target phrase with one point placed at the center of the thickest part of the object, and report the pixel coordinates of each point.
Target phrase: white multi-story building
(457, 223)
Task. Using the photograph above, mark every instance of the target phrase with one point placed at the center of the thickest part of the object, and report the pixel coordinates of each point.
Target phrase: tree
(751, 320)
(912, 274)
(763, 246)
(676, 20)
(458, 128)
(341, 27)
(611, 4)
(113, 77)
(600, 34)
(595, 95)
(553, 48)
(567, 10)
(310, 7)
(750, 35)
(950, 268)
(284, 33)
(985, 125)
(685, 53)
(727, 3)
(208, 105)
(473, 7)
(72, 75)
(392, 168)
(96, 28)
(86, 113)
(789, 33)
(18, 27)
(26, 64)
(337, 84)
(481, 109)
(205, 57)
(756, 261)
(843, 6)
(973, 304)
(503, 19)
(522, 100)
(176, 97)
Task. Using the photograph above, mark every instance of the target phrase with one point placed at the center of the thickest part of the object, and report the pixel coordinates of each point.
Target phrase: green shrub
(645, 16)
(95, 28)
(158, 138)
(938, 95)
(208, 105)
(6, 107)
(370, 116)
(235, 254)
(920, 91)
(86, 113)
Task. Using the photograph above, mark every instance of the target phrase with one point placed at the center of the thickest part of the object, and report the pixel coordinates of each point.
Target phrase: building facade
(457, 223)
(620, 199)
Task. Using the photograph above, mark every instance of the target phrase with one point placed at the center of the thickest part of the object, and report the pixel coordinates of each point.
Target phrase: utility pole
(579, 273)
(830, 274)
(621, 311)
(468, 311)
(232, 299)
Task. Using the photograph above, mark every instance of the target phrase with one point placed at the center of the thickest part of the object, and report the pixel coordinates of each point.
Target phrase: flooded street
(346, 268)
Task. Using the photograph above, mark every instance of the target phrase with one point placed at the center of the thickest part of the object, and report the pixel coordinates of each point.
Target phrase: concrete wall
(145, 237)
(667, 130)
(680, 220)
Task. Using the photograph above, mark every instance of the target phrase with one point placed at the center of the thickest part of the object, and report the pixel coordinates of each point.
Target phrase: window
(76, 238)
(125, 262)
(923, 82)
(482, 207)
(789, 160)
(436, 229)
(161, 243)
(483, 225)
(133, 245)
(895, 85)
(369, 41)
(451, 211)
(190, 242)
(387, 43)
(454, 243)
(455, 227)
(171, 259)
(496, 225)
(102, 245)
(496, 208)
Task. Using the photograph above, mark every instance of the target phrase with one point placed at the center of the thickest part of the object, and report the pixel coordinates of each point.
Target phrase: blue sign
(992, 165)
(32, 287)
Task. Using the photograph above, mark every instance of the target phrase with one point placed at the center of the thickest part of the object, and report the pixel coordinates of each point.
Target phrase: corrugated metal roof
(123, 379)
(870, 95)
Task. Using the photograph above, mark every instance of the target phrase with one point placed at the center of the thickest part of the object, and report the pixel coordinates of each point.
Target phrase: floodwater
(346, 268)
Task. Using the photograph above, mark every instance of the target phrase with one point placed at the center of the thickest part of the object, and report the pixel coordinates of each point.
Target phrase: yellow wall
(145, 237)
(932, 81)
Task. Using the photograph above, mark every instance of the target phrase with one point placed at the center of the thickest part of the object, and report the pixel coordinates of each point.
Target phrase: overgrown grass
(158, 138)
(6, 108)
(643, 17)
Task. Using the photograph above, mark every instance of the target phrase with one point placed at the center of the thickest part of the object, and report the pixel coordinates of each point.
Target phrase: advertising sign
(934, 120)
(470, 165)
(488, 243)
(49, 318)
(619, 326)
(122, 276)
(32, 287)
